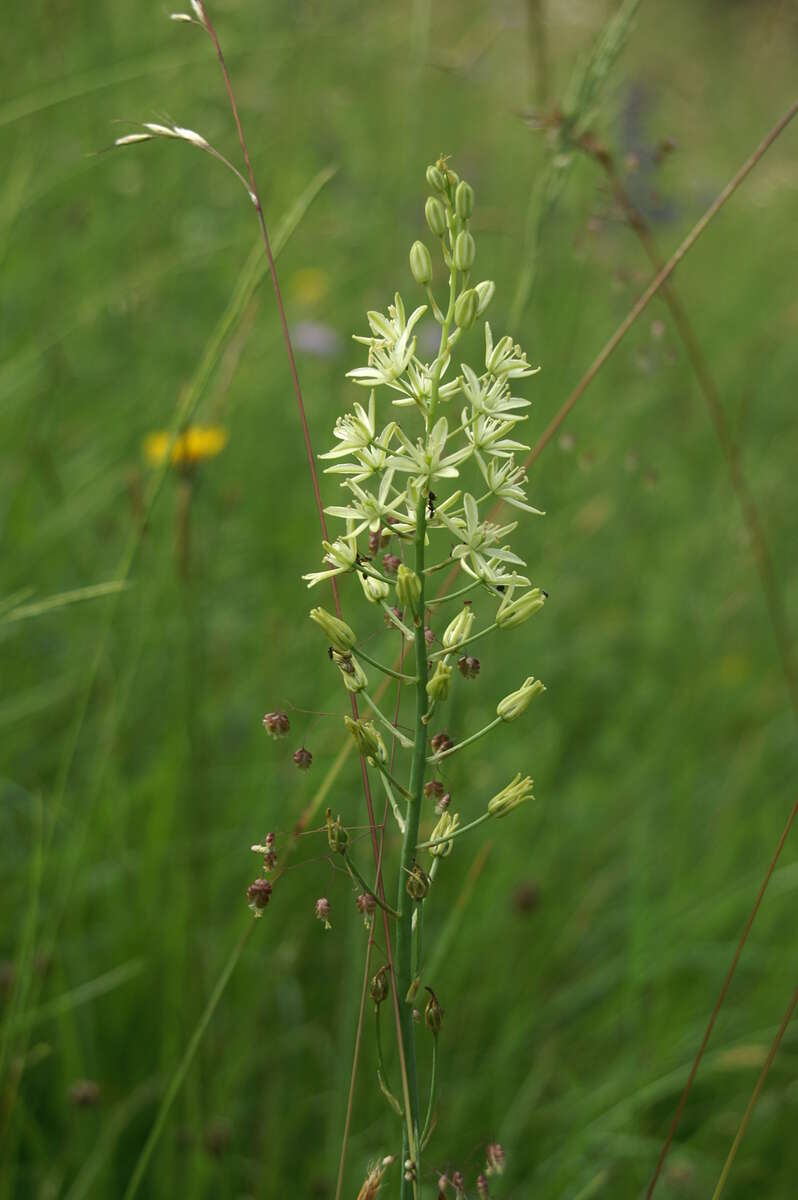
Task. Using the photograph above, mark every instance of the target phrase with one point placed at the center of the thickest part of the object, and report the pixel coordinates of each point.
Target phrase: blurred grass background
(665, 750)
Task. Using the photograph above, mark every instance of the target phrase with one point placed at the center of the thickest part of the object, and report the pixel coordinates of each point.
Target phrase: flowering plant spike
(423, 464)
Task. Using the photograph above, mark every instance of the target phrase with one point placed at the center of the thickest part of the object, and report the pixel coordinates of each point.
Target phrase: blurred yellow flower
(309, 285)
(193, 445)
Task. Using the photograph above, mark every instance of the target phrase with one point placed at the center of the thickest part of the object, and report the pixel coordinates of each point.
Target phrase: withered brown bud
(84, 1093)
(468, 666)
(429, 636)
(391, 563)
(303, 758)
(417, 882)
(366, 904)
(442, 805)
(440, 742)
(433, 1013)
(433, 788)
(276, 724)
(258, 894)
(378, 988)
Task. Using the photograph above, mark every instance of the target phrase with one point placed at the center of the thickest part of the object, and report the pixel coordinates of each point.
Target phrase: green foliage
(664, 755)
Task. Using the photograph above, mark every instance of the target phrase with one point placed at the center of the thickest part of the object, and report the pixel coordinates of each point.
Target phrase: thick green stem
(404, 904)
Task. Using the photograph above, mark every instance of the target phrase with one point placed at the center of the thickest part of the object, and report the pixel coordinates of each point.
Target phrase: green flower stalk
(418, 487)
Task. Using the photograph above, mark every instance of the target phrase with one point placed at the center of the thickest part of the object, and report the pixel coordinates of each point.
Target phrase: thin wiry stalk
(200, 8)
(727, 1166)
(657, 282)
(176, 1082)
(246, 284)
(677, 1116)
(720, 423)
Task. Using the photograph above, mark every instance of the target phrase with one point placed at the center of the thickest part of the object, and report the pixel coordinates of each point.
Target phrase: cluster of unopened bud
(459, 628)
(340, 635)
(514, 612)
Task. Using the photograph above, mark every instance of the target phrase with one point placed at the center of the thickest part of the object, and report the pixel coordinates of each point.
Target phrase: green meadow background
(134, 771)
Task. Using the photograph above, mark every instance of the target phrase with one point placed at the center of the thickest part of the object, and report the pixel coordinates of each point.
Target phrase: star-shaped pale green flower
(426, 462)
(506, 480)
(366, 509)
(490, 396)
(506, 358)
(477, 550)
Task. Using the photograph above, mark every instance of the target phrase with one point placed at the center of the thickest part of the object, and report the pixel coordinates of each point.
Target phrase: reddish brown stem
(717, 414)
(379, 887)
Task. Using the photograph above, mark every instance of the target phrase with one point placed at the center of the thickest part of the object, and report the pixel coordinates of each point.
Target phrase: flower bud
(417, 882)
(443, 802)
(323, 911)
(276, 724)
(516, 792)
(435, 179)
(514, 612)
(433, 1013)
(408, 587)
(436, 216)
(459, 628)
(420, 263)
(465, 309)
(517, 702)
(337, 632)
(494, 1157)
(440, 742)
(465, 251)
(303, 758)
(258, 895)
(367, 739)
(438, 686)
(366, 905)
(379, 986)
(464, 200)
(468, 666)
(374, 590)
(485, 292)
(337, 835)
(446, 825)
